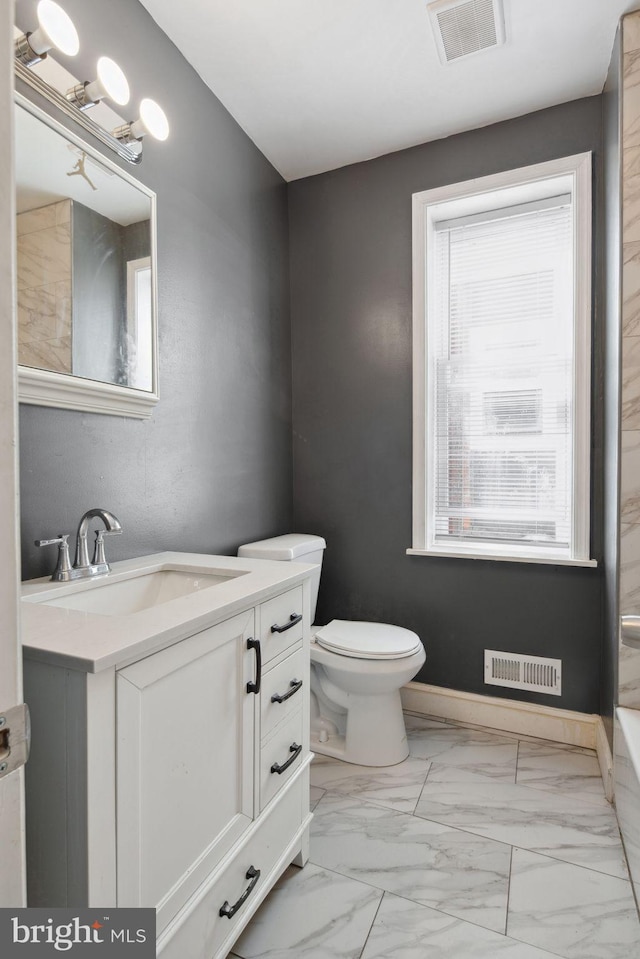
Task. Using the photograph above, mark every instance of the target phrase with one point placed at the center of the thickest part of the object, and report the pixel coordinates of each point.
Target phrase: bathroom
(285, 387)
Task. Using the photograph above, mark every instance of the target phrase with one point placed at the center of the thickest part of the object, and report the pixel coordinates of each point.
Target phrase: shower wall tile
(630, 380)
(44, 257)
(629, 567)
(629, 583)
(631, 286)
(631, 161)
(630, 477)
(631, 88)
(631, 34)
(54, 354)
(44, 287)
(631, 208)
(33, 221)
(629, 677)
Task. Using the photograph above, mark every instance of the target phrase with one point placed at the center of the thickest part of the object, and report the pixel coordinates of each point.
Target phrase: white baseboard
(508, 715)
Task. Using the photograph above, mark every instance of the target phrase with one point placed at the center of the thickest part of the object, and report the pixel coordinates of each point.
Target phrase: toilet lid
(367, 640)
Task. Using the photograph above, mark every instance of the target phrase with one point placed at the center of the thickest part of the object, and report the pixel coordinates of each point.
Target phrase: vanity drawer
(281, 757)
(283, 690)
(200, 930)
(281, 623)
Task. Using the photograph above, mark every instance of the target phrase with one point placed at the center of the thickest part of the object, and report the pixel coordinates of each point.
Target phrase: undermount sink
(132, 595)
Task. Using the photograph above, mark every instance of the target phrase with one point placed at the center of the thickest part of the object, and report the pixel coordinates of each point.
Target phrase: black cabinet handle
(294, 686)
(229, 911)
(295, 750)
(255, 687)
(293, 619)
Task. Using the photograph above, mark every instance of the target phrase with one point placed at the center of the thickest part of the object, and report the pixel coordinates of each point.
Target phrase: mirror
(86, 303)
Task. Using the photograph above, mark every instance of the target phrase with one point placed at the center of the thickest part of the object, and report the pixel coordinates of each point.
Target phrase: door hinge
(15, 738)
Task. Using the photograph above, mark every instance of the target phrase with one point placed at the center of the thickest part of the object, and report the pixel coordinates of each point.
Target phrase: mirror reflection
(84, 264)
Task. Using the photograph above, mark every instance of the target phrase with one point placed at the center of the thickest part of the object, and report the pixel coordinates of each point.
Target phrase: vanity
(170, 757)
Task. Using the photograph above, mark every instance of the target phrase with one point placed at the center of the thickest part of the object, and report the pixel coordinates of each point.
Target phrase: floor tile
(397, 787)
(481, 752)
(447, 869)
(441, 773)
(570, 911)
(385, 884)
(561, 770)
(315, 796)
(311, 914)
(406, 930)
(555, 825)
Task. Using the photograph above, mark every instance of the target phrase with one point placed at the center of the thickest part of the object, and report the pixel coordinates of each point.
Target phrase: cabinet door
(185, 730)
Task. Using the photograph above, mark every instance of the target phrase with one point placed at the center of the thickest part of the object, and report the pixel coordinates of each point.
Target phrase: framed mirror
(86, 274)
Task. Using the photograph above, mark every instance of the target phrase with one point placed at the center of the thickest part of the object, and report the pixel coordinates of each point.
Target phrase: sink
(132, 595)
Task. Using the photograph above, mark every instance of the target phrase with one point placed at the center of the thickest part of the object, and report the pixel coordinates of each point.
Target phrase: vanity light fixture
(152, 120)
(55, 30)
(110, 84)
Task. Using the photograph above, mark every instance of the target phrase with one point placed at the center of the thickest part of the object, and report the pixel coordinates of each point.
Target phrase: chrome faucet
(98, 563)
(82, 568)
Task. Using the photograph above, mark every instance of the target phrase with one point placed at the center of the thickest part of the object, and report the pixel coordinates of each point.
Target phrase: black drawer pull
(293, 619)
(255, 687)
(294, 686)
(229, 911)
(295, 750)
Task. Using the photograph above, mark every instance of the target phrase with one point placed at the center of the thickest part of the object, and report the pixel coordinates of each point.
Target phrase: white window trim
(525, 184)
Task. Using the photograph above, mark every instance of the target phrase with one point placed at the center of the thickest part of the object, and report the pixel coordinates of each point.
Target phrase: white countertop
(92, 642)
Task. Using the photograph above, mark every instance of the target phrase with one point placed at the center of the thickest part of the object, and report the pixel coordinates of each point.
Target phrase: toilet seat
(359, 640)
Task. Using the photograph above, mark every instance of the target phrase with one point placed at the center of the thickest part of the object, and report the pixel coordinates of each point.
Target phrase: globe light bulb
(152, 120)
(55, 29)
(111, 83)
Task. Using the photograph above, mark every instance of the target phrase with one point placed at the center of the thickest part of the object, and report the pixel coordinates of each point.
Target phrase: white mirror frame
(65, 391)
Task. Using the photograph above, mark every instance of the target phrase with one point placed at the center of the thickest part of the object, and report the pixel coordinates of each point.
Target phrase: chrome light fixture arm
(132, 153)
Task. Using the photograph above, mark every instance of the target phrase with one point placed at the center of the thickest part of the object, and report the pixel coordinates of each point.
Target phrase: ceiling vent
(463, 27)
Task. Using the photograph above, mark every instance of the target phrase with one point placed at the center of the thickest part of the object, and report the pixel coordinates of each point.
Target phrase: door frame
(12, 844)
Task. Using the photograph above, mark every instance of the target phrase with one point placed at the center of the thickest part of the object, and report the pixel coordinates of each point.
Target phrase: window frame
(525, 184)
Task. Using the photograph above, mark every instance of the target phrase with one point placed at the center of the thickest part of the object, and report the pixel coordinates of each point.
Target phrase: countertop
(92, 642)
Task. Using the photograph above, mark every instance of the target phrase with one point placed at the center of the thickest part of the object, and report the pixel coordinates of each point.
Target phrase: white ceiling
(318, 84)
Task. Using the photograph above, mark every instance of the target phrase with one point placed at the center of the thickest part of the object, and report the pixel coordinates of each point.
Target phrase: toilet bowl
(357, 671)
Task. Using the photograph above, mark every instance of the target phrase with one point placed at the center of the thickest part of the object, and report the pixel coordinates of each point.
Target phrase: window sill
(546, 560)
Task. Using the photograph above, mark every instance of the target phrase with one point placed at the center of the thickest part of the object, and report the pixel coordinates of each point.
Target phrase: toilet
(357, 671)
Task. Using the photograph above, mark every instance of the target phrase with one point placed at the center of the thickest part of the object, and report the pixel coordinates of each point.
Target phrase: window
(139, 324)
(502, 316)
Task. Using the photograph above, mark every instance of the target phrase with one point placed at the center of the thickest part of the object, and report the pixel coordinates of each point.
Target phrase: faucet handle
(63, 567)
(98, 550)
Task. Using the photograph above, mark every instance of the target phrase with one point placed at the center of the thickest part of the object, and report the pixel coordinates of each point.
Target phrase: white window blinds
(500, 334)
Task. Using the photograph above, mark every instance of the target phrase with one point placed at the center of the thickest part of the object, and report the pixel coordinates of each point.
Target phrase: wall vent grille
(463, 27)
(523, 672)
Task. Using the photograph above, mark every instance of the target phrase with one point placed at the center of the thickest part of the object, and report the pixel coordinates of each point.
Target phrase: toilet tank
(291, 548)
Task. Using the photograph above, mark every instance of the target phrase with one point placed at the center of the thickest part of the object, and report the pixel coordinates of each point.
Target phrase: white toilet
(357, 670)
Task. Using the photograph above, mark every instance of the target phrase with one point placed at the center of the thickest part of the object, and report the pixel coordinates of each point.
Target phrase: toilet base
(374, 733)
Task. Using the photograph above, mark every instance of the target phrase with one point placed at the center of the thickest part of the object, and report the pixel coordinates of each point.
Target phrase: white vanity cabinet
(176, 779)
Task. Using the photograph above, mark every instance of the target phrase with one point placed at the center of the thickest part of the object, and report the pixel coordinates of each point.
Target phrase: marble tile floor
(479, 846)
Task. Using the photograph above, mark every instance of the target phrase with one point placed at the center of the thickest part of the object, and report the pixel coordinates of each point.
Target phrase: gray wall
(612, 273)
(136, 241)
(213, 466)
(99, 295)
(351, 332)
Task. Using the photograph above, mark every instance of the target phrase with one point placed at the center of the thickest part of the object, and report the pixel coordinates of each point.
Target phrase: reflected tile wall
(44, 287)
